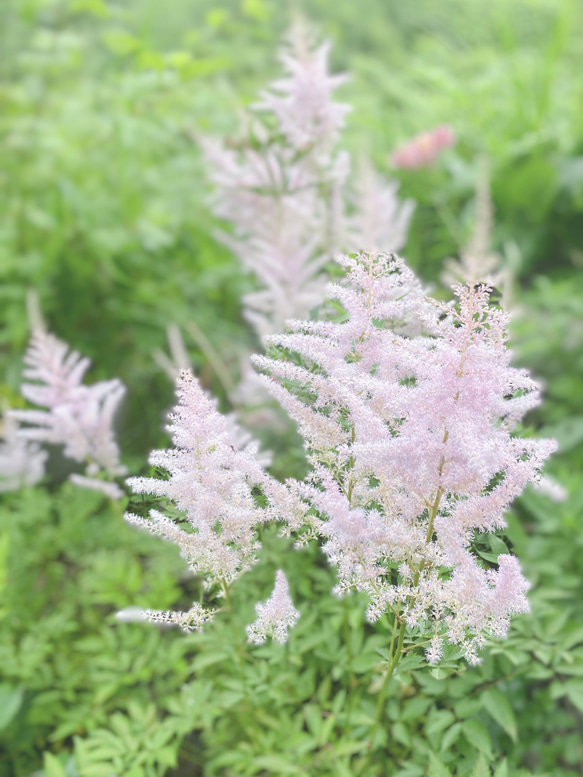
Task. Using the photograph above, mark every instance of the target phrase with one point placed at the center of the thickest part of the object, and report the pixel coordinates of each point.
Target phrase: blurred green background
(105, 213)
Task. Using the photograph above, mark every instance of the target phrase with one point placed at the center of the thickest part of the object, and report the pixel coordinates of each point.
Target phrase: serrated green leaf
(501, 711)
(437, 768)
(477, 735)
(502, 769)
(415, 708)
(10, 702)
(52, 766)
(450, 736)
(481, 769)
(277, 765)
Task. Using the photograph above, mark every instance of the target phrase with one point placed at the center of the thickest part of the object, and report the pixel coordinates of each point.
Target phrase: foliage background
(105, 214)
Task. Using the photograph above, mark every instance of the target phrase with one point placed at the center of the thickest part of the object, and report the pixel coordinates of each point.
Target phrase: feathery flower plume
(284, 191)
(212, 476)
(477, 262)
(408, 409)
(379, 221)
(22, 463)
(78, 417)
(275, 616)
(424, 149)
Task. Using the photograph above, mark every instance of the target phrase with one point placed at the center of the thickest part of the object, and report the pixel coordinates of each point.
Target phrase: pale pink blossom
(424, 149)
(22, 463)
(408, 409)
(379, 220)
(285, 192)
(212, 474)
(477, 262)
(191, 620)
(76, 416)
(275, 616)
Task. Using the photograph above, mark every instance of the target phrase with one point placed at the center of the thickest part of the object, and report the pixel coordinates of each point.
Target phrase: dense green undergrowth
(104, 213)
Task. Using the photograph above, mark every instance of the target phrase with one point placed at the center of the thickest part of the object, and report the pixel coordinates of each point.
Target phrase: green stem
(236, 644)
(393, 661)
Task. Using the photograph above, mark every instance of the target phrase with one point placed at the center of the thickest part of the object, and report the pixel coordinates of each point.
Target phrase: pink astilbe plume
(407, 409)
(284, 191)
(212, 476)
(78, 417)
(379, 221)
(275, 616)
(22, 463)
(424, 149)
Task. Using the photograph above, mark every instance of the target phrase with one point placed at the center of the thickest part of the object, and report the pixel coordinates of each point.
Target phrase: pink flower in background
(285, 192)
(22, 463)
(76, 416)
(423, 149)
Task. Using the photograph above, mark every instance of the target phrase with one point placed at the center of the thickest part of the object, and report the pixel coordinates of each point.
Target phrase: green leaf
(575, 693)
(450, 736)
(437, 768)
(52, 766)
(502, 769)
(438, 720)
(416, 708)
(501, 711)
(277, 765)
(10, 702)
(481, 769)
(477, 735)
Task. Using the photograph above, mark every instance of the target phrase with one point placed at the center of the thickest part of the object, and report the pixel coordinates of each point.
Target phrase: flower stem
(393, 661)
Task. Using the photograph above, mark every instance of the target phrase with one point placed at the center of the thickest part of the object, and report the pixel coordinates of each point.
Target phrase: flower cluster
(77, 416)
(275, 616)
(423, 149)
(407, 409)
(22, 463)
(214, 475)
(477, 262)
(284, 191)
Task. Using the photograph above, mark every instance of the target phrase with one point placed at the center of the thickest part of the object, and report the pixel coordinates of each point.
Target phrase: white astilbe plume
(22, 463)
(191, 620)
(408, 409)
(284, 190)
(78, 417)
(275, 616)
(380, 221)
(477, 262)
(212, 475)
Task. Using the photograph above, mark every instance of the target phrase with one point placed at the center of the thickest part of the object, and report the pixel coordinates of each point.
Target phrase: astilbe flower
(275, 616)
(408, 409)
(77, 416)
(424, 149)
(22, 463)
(379, 221)
(213, 472)
(477, 262)
(284, 191)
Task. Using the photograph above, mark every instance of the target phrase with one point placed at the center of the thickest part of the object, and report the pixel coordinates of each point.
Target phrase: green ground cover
(105, 212)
